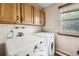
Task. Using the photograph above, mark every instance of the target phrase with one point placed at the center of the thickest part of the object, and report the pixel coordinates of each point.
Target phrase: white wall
(52, 16)
(65, 44)
(5, 29)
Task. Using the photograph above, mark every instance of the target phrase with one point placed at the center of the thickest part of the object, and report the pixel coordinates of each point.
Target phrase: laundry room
(39, 29)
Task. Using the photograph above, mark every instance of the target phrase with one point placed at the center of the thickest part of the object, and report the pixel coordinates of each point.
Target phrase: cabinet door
(8, 13)
(42, 18)
(36, 16)
(27, 13)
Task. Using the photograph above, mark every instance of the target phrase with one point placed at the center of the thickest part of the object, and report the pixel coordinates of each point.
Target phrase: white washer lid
(45, 34)
(19, 43)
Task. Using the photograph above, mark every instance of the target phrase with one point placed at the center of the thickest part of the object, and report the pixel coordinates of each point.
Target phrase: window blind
(69, 17)
(69, 7)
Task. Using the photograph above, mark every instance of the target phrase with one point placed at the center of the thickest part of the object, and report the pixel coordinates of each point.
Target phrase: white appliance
(22, 46)
(36, 44)
(50, 40)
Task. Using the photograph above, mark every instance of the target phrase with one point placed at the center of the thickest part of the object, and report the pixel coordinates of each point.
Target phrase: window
(70, 20)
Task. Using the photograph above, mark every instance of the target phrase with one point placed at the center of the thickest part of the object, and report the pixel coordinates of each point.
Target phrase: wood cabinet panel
(42, 18)
(36, 16)
(27, 13)
(18, 13)
(39, 16)
(8, 12)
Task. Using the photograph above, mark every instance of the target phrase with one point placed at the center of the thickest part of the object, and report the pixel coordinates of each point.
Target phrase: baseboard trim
(61, 53)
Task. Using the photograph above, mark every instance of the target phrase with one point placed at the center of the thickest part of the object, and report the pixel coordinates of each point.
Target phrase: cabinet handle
(17, 17)
(23, 18)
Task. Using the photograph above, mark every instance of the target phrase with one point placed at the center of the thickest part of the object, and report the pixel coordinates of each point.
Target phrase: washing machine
(50, 42)
(25, 45)
(36, 44)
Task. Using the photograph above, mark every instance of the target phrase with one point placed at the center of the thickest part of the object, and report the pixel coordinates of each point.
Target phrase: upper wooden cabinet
(42, 17)
(21, 13)
(27, 13)
(36, 16)
(8, 13)
(39, 16)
